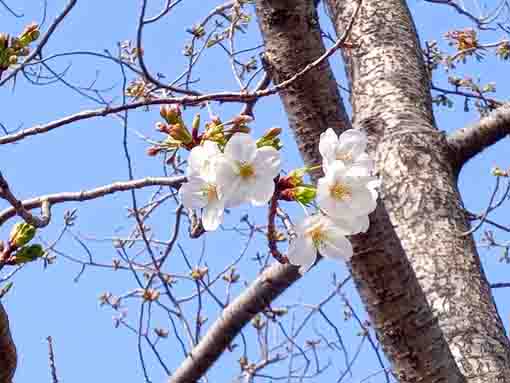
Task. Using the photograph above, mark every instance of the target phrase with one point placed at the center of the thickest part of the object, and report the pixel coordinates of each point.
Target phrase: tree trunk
(391, 100)
(388, 286)
(8, 357)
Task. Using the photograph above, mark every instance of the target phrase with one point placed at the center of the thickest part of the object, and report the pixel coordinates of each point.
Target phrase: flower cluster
(345, 195)
(227, 167)
(242, 172)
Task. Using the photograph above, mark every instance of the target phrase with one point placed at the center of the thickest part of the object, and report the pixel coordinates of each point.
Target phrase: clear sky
(90, 153)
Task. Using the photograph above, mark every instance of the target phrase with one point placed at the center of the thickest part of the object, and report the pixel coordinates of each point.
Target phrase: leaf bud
(21, 234)
(28, 254)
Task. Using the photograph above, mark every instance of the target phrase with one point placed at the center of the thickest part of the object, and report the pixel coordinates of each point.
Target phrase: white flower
(201, 160)
(346, 192)
(245, 173)
(202, 193)
(318, 233)
(349, 147)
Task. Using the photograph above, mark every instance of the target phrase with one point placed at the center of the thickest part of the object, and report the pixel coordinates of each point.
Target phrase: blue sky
(90, 153)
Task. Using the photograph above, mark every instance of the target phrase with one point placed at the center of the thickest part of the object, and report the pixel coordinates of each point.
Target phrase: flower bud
(28, 254)
(29, 34)
(302, 194)
(195, 126)
(240, 129)
(293, 179)
(150, 295)
(272, 133)
(153, 151)
(21, 234)
(171, 113)
(270, 138)
(4, 39)
(180, 133)
(498, 172)
(242, 119)
(162, 127)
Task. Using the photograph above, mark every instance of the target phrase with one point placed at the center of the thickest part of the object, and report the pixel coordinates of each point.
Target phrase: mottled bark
(391, 100)
(8, 358)
(470, 141)
(396, 305)
(269, 285)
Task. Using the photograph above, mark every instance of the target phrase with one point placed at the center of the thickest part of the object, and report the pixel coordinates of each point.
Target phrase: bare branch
(101, 191)
(240, 97)
(472, 140)
(17, 205)
(269, 285)
(37, 51)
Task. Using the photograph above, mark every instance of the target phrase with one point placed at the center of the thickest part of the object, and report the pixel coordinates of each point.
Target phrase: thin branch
(37, 51)
(472, 140)
(17, 205)
(240, 97)
(499, 285)
(10, 10)
(101, 191)
(51, 355)
(269, 285)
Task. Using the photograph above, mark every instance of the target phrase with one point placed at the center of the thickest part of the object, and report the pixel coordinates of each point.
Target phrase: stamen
(246, 170)
(340, 192)
(210, 192)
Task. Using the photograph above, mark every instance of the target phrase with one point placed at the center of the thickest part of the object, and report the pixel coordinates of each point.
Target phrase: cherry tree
(375, 194)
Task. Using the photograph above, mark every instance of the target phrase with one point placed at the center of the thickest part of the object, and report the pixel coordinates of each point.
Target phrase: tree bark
(8, 357)
(388, 286)
(391, 100)
(471, 140)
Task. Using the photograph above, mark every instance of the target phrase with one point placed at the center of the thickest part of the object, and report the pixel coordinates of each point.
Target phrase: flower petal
(191, 193)
(267, 162)
(362, 201)
(352, 142)
(336, 245)
(302, 253)
(261, 191)
(196, 158)
(327, 145)
(352, 225)
(212, 215)
(229, 184)
(241, 147)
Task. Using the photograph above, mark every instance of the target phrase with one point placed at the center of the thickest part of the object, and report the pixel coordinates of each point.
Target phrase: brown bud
(153, 151)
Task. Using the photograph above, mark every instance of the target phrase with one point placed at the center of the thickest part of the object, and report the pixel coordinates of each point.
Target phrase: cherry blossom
(319, 233)
(349, 148)
(245, 173)
(202, 158)
(201, 190)
(346, 192)
(200, 193)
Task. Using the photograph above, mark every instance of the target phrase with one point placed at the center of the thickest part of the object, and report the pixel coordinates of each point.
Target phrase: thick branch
(269, 285)
(101, 191)
(8, 357)
(390, 94)
(472, 140)
(384, 277)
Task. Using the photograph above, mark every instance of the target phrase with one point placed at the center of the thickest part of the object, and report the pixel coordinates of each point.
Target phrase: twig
(19, 209)
(37, 51)
(101, 191)
(51, 355)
